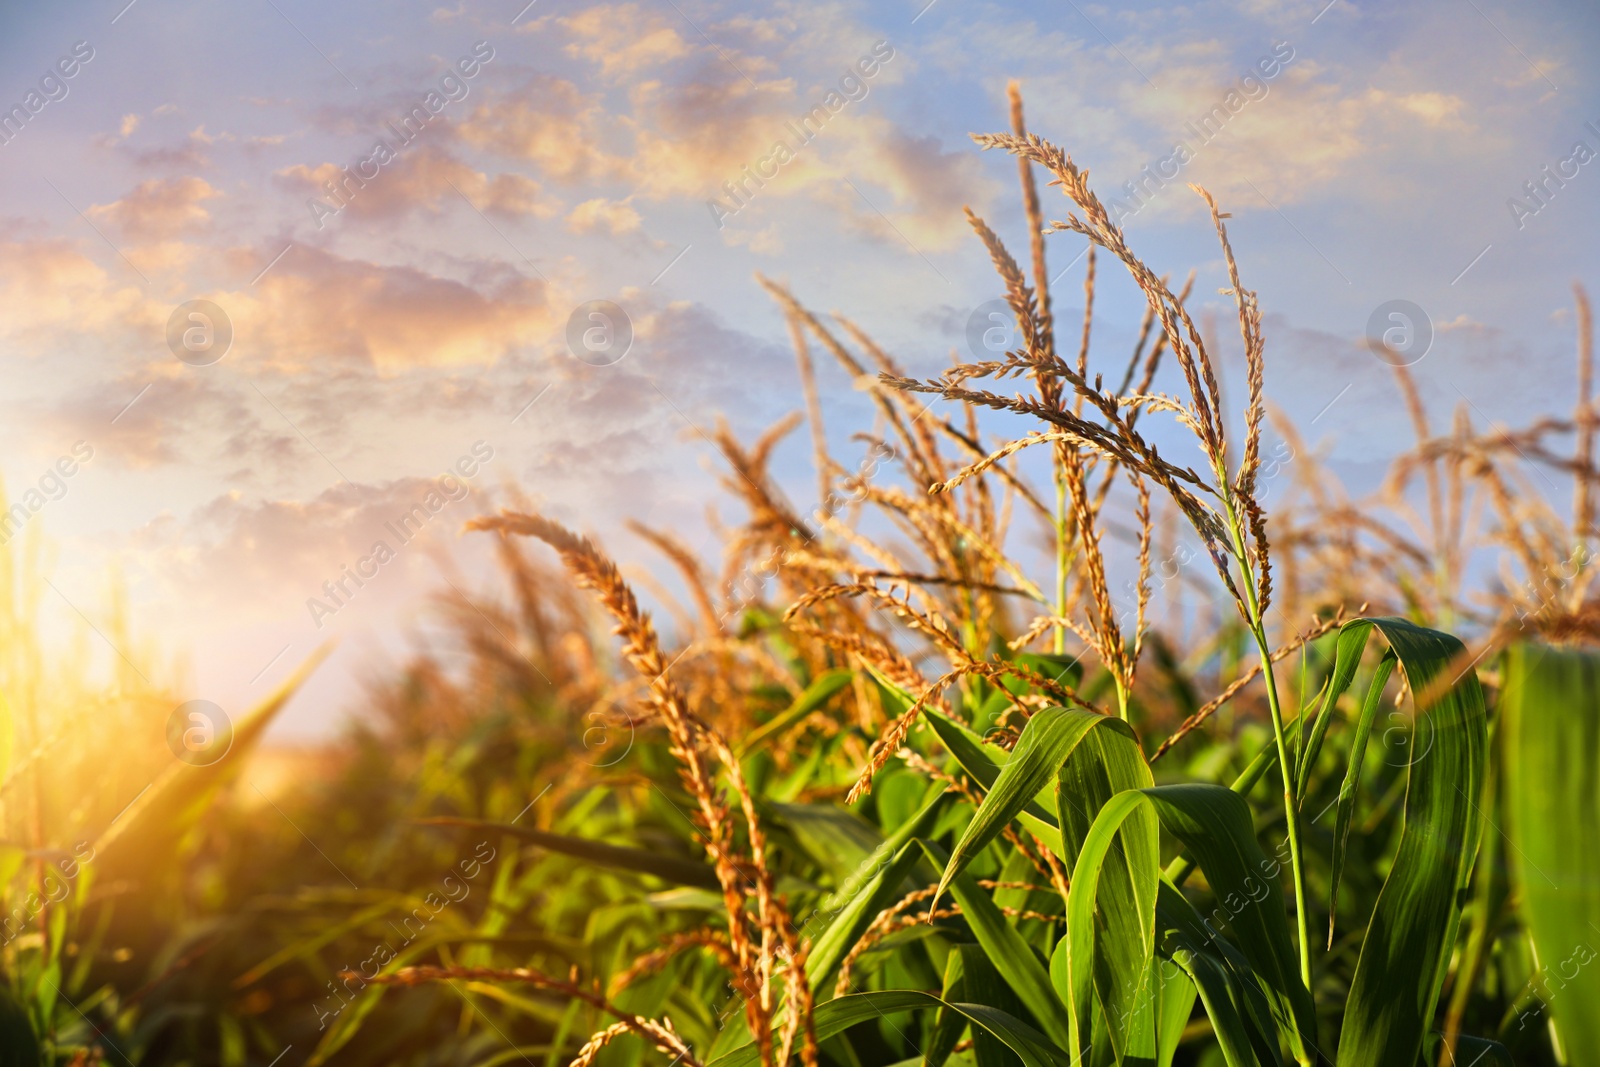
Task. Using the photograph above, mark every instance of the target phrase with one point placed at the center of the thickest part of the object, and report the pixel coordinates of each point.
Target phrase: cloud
(182, 157)
(928, 185)
(614, 216)
(1435, 109)
(423, 179)
(551, 123)
(54, 297)
(317, 306)
(234, 553)
(159, 209)
(1317, 127)
(695, 119)
(763, 242)
(623, 39)
(163, 416)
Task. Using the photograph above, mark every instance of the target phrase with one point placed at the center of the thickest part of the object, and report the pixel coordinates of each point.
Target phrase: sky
(272, 272)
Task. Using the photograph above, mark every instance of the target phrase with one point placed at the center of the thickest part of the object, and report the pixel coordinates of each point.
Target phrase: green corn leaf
(1103, 764)
(1218, 995)
(977, 757)
(1111, 918)
(1183, 865)
(168, 806)
(1047, 741)
(679, 870)
(971, 978)
(877, 883)
(816, 694)
(837, 839)
(1348, 648)
(950, 1024)
(1174, 1002)
(1214, 824)
(916, 826)
(1352, 782)
(983, 762)
(1233, 1001)
(1016, 960)
(1551, 733)
(841, 1013)
(735, 1032)
(1407, 949)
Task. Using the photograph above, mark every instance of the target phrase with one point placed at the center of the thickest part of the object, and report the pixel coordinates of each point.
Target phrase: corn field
(969, 763)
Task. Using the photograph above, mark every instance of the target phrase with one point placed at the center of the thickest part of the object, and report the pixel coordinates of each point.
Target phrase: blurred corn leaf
(815, 695)
(1551, 724)
(679, 870)
(18, 1045)
(841, 1013)
(179, 794)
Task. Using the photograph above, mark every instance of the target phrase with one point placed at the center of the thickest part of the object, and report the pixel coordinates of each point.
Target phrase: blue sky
(376, 344)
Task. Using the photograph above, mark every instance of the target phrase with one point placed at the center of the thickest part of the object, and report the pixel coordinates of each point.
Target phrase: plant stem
(1291, 807)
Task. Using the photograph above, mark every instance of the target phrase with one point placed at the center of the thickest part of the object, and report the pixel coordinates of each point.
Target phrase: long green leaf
(836, 838)
(1252, 992)
(1046, 742)
(950, 1024)
(816, 694)
(1106, 762)
(1407, 949)
(841, 1013)
(916, 826)
(679, 870)
(1233, 1000)
(1352, 782)
(971, 978)
(1214, 824)
(181, 793)
(1111, 919)
(1348, 647)
(1183, 865)
(1218, 994)
(983, 762)
(845, 918)
(1015, 959)
(1174, 1001)
(1551, 733)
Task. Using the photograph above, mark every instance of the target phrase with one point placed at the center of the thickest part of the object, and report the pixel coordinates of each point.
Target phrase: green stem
(1291, 808)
